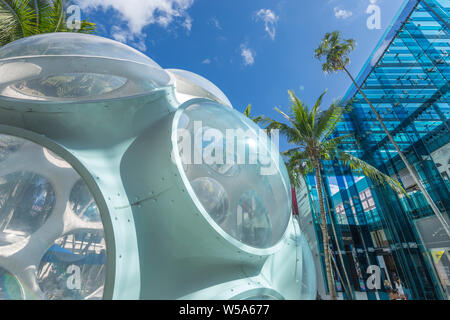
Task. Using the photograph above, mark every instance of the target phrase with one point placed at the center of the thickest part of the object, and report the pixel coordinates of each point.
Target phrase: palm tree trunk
(410, 168)
(323, 227)
(348, 284)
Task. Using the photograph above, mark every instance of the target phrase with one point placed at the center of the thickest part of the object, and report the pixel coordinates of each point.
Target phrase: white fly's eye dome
(234, 172)
(48, 219)
(191, 84)
(71, 66)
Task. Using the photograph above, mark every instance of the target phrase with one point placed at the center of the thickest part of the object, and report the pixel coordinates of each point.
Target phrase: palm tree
(23, 18)
(336, 53)
(311, 132)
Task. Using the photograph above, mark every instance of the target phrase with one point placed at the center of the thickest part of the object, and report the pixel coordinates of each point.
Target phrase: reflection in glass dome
(72, 67)
(196, 85)
(10, 288)
(26, 202)
(258, 191)
(42, 214)
(73, 268)
(214, 147)
(253, 220)
(8, 145)
(74, 85)
(83, 204)
(213, 197)
(60, 44)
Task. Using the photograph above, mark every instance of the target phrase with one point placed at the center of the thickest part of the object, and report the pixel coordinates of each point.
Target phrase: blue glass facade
(407, 80)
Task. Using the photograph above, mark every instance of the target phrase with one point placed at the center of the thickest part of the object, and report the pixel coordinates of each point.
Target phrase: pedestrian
(387, 285)
(399, 288)
(393, 295)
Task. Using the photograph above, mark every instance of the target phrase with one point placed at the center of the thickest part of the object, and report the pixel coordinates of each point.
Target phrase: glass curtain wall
(407, 80)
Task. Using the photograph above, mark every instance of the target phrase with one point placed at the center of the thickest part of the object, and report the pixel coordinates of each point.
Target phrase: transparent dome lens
(75, 67)
(254, 223)
(213, 197)
(82, 203)
(48, 219)
(196, 85)
(74, 85)
(74, 267)
(10, 288)
(68, 43)
(26, 202)
(230, 156)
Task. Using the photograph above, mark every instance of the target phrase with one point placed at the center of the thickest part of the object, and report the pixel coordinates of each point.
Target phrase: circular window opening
(10, 288)
(82, 203)
(235, 172)
(213, 198)
(46, 206)
(26, 202)
(73, 268)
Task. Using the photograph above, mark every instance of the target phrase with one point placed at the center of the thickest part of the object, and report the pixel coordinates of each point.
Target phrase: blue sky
(254, 50)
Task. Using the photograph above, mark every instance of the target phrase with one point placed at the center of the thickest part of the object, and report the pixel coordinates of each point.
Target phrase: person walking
(399, 288)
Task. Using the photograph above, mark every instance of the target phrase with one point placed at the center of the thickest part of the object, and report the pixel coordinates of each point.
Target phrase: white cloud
(342, 13)
(270, 20)
(215, 23)
(206, 61)
(188, 23)
(119, 34)
(124, 36)
(139, 13)
(248, 55)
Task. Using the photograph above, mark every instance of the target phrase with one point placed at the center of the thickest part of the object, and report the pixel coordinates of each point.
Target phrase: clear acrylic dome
(10, 288)
(74, 66)
(49, 220)
(235, 172)
(192, 84)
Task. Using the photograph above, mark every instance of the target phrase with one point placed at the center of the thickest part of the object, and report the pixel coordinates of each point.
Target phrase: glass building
(406, 79)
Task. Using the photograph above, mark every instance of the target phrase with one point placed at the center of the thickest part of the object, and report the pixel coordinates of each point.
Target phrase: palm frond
(328, 121)
(17, 20)
(335, 51)
(298, 166)
(300, 112)
(328, 146)
(313, 113)
(248, 110)
(294, 124)
(357, 164)
(291, 152)
(87, 27)
(291, 133)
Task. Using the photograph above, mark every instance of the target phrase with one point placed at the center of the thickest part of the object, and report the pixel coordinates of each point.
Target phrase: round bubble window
(10, 288)
(73, 268)
(193, 84)
(235, 173)
(27, 200)
(72, 67)
(50, 222)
